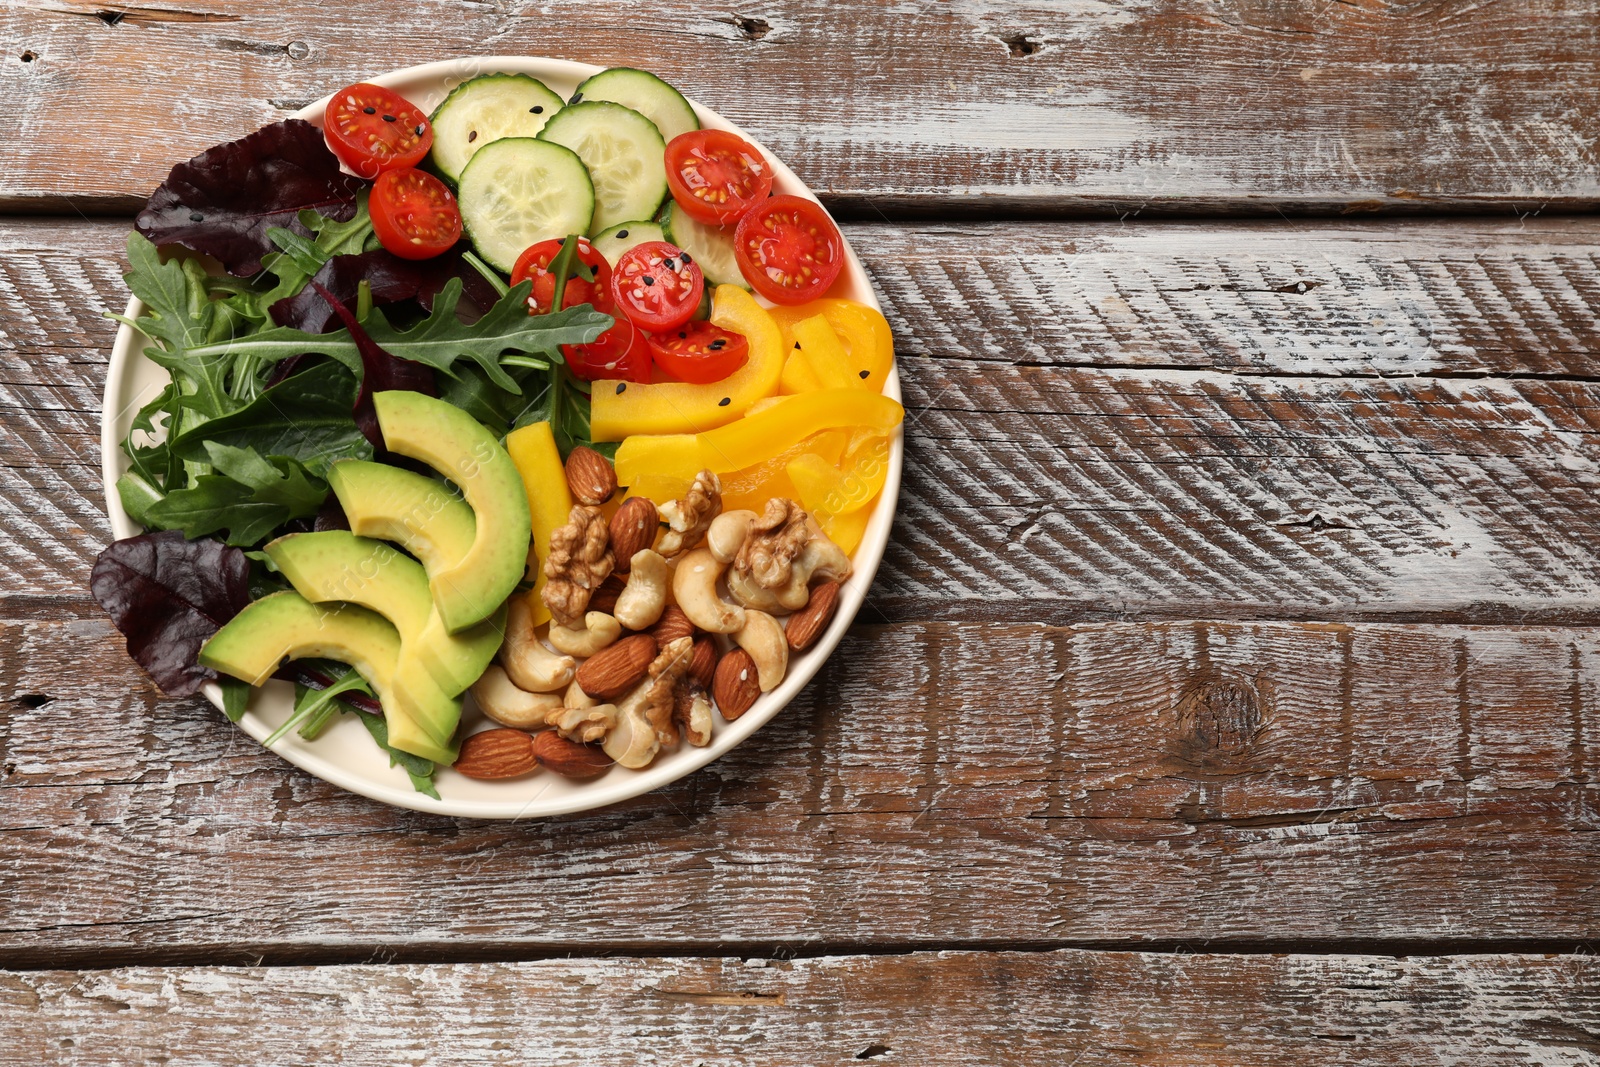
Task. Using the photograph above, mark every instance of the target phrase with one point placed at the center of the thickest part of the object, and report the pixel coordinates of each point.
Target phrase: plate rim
(619, 784)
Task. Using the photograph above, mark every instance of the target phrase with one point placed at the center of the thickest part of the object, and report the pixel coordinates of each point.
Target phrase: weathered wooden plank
(939, 785)
(1085, 1008)
(1104, 107)
(1186, 433)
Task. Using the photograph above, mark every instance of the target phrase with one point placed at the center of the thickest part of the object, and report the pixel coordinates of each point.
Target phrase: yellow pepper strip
(798, 377)
(828, 358)
(826, 489)
(862, 330)
(757, 438)
(622, 409)
(847, 530)
(544, 478)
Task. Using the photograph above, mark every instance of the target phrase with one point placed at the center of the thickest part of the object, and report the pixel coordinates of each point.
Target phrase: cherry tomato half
(699, 352)
(535, 263)
(620, 352)
(716, 176)
(372, 129)
(413, 213)
(788, 249)
(657, 285)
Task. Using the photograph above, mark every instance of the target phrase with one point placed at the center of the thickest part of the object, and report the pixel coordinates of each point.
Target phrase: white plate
(345, 755)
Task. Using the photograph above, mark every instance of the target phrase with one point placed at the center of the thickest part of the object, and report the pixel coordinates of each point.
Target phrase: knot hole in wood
(1221, 716)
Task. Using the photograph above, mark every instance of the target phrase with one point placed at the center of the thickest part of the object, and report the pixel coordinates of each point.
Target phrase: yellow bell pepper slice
(622, 409)
(826, 489)
(830, 361)
(544, 478)
(862, 330)
(798, 377)
(846, 530)
(757, 438)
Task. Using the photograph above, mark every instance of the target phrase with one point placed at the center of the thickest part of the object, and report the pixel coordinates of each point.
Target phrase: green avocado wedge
(414, 511)
(463, 450)
(337, 565)
(287, 626)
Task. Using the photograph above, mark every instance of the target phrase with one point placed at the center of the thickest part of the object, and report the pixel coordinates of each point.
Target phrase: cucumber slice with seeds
(486, 109)
(646, 94)
(623, 236)
(623, 151)
(519, 191)
(708, 245)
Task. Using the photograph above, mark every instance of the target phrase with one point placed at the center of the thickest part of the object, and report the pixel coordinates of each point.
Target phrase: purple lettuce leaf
(391, 279)
(168, 596)
(223, 201)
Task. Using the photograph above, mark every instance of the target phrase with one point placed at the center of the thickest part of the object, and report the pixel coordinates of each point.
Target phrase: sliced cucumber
(484, 110)
(710, 246)
(646, 94)
(519, 191)
(623, 151)
(623, 236)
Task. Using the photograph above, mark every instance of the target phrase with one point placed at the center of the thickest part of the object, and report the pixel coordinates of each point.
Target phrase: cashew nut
(577, 698)
(694, 587)
(727, 533)
(500, 699)
(531, 666)
(643, 599)
(584, 724)
(599, 630)
(632, 742)
(763, 638)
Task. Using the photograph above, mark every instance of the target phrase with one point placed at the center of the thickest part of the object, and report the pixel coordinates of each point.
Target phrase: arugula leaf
(223, 201)
(250, 498)
(235, 697)
(419, 770)
(305, 417)
(310, 703)
(438, 341)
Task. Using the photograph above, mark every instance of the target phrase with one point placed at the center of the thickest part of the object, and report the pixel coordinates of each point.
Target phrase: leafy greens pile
(272, 369)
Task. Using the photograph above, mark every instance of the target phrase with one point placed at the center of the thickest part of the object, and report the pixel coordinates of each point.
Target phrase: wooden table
(1230, 693)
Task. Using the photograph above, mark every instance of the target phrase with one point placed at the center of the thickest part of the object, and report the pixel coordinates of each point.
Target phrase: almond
(735, 685)
(501, 753)
(605, 598)
(633, 529)
(703, 661)
(590, 476)
(672, 625)
(617, 668)
(807, 624)
(568, 758)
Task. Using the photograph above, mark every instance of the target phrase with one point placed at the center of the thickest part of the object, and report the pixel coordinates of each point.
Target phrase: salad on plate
(526, 431)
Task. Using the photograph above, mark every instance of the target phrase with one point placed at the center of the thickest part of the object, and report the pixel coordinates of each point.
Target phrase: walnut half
(688, 519)
(580, 559)
(784, 550)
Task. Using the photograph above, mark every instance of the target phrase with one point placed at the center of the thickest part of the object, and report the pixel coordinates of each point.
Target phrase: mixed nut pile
(642, 647)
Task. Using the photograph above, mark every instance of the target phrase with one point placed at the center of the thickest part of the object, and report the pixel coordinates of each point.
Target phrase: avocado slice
(459, 447)
(414, 511)
(286, 626)
(338, 565)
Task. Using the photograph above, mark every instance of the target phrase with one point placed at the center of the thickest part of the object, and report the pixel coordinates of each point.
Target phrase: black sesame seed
(667, 263)
(725, 401)
(648, 280)
(682, 335)
(536, 109)
(621, 234)
(195, 216)
(419, 129)
(620, 387)
(369, 111)
(575, 98)
(686, 259)
(717, 345)
(797, 344)
(865, 375)
(388, 118)
(472, 135)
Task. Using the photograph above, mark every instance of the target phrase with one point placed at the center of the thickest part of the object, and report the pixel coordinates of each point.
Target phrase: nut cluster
(643, 649)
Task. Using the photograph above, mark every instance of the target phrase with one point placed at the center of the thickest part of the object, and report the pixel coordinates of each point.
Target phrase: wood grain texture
(1109, 423)
(1098, 106)
(1045, 1009)
(938, 786)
